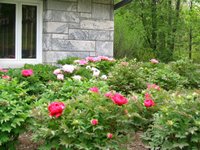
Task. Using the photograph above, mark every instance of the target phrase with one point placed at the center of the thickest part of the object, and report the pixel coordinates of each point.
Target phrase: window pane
(29, 22)
(7, 30)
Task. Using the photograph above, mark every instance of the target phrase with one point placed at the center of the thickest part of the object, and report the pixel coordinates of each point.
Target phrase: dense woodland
(165, 29)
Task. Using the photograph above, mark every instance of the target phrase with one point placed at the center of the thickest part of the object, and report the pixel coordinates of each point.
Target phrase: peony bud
(94, 122)
(109, 135)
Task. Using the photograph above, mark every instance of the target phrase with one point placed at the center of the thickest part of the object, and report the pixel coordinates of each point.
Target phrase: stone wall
(77, 28)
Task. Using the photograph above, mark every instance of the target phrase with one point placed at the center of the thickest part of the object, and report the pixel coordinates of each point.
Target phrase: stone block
(93, 35)
(54, 56)
(104, 48)
(93, 54)
(74, 25)
(56, 27)
(103, 1)
(61, 16)
(100, 11)
(61, 5)
(46, 42)
(60, 36)
(97, 25)
(85, 15)
(84, 5)
(72, 45)
(111, 35)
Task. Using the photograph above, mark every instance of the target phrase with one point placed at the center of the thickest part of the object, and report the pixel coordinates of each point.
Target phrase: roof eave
(121, 4)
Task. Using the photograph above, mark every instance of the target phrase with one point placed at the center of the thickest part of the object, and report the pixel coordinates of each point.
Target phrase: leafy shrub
(127, 77)
(189, 70)
(73, 130)
(14, 111)
(176, 125)
(37, 82)
(104, 66)
(69, 89)
(134, 76)
(166, 78)
(69, 60)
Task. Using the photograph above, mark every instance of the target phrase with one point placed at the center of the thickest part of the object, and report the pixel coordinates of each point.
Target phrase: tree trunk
(190, 33)
(174, 28)
(154, 24)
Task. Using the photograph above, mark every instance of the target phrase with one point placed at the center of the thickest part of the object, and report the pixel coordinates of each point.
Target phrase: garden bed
(95, 103)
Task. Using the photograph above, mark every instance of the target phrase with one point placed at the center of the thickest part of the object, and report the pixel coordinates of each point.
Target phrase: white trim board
(18, 61)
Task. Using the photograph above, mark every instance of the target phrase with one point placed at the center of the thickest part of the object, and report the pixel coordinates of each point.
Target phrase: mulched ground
(26, 144)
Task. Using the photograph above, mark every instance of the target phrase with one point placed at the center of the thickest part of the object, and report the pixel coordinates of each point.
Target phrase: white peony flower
(69, 68)
(104, 77)
(96, 73)
(57, 71)
(77, 77)
(60, 76)
(89, 67)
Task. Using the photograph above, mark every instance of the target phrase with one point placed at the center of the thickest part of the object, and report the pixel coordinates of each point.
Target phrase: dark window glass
(29, 22)
(7, 30)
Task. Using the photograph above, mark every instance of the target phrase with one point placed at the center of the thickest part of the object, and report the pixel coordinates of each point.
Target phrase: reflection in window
(29, 21)
(7, 30)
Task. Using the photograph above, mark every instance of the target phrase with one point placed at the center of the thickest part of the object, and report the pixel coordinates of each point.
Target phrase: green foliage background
(167, 30)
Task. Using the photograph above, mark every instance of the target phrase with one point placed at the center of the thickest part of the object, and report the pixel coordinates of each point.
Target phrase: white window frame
(18, 61)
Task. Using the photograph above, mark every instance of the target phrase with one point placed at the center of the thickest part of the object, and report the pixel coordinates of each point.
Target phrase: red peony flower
(94, 122)
(27, 72)
(149, 103)
(56, 109)
(94, 89)
(109, 135)
(119, 99)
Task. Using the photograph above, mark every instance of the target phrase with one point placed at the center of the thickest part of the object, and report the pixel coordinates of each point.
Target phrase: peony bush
(91, 121)
(96, 102)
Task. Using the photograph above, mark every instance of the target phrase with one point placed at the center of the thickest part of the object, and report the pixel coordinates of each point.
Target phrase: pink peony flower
(154, 61)
(56, 109)
(103, 58)
(109, 135)
(6, 77)
(83, 62)
(3, 70)
(149, 103)
(119, 99)
(147, 96)
(68, 68)
(94, 89)
(60, 76)
(134, 97)
(153, 86)
(57, 71)
(109, 95)
(124, 63)
(27, 72)
(94, 122)
(93, 59)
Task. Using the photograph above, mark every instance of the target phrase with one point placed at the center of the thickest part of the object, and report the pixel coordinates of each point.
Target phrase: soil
(137, 143)
(26, 144)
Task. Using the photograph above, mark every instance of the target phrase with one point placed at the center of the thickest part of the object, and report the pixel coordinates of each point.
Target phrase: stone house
(44, 31)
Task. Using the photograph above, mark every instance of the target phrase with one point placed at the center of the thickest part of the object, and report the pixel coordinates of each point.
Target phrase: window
(20, 32)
